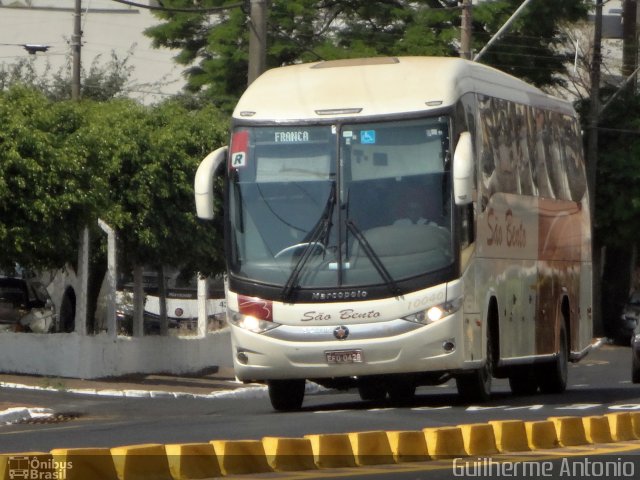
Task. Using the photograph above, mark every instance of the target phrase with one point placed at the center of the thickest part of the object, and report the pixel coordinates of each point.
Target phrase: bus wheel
(286, 395)
(552, 377)
(372, 389)
(523, 381)
(476, 386)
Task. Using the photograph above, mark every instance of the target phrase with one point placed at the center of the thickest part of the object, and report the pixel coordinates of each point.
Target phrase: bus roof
(379, 86)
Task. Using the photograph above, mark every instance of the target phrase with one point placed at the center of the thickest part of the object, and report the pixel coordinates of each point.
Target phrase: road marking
(580, 406)
(526, 407)
(591, 363)
(432, 408)
(628, 406)
(475, 408)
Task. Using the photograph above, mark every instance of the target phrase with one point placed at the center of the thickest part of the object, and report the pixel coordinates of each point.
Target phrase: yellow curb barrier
(288, 454)
(621, 427)
(541, 434)
(408, 446)
(371, 448)
(597, 429)
(21, 463)
(635, 422)
(342, 450)
(189, 461)
(332, 450)
(83, 463)
(511, 435)
(444, 442)
(241, 456)
(141, 462)
(570, 431)
(478, 439)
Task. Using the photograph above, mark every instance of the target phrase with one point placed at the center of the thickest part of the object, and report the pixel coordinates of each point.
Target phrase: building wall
(107, 27)
(98, 356)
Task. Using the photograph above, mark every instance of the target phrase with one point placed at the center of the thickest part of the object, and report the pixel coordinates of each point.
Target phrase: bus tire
(476, 386)
(286, 395)
(552, 376)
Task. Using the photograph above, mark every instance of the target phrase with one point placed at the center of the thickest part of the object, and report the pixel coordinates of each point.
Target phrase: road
(599, 384)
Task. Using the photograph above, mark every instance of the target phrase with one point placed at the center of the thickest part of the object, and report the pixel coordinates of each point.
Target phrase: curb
(22, 414)
(274, 454)
(250, 391)
(256, 391)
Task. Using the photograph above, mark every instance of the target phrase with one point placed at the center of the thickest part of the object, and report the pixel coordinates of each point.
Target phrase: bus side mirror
(204, 184)
(463, 170)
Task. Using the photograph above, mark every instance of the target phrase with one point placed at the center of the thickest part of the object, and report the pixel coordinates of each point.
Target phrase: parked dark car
(25, 306)
(635, 355)
(629, 319)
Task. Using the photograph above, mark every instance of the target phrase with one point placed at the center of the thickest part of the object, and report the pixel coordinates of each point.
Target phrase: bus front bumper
(282, 355)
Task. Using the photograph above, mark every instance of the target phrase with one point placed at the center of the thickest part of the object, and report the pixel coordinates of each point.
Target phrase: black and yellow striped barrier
(320, 451)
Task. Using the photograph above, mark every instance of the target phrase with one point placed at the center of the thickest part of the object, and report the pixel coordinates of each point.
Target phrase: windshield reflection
(394, 220)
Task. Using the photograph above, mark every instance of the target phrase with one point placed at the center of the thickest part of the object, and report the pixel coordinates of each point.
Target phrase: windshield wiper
(320, 230)
(374, 258)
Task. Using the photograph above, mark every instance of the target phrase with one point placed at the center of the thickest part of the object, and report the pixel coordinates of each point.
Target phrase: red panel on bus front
(239, 149)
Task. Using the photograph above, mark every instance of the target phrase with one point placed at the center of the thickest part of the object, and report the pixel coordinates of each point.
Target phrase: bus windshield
(340, 205)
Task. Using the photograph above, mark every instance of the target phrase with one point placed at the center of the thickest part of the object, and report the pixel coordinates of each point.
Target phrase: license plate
(344, 356)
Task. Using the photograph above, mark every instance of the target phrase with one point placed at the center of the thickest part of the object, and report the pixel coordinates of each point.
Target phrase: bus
(402, 221)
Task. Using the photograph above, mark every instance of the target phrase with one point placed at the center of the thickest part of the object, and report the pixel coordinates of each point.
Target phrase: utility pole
(594, 109)
(629, 40)
(503, 29)
(465, 30)
(592, 163)
(257, 39)
(82, 313)
(76, 45)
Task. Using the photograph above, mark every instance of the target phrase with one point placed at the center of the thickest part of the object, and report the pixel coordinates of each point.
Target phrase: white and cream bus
(396, 222)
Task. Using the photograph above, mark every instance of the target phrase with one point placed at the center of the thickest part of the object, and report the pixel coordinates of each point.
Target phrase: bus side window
(575, 169)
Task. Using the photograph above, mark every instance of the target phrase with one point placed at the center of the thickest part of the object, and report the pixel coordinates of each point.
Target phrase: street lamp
(33, 48)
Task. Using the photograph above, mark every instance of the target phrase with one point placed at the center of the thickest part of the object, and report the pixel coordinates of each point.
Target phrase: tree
(46, 186)
(618, 203)
(65, 164)
(531, 48)
(213, 48)
(102, 81)
(150, 182)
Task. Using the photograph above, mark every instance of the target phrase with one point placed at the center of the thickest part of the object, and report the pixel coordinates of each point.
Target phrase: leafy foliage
(618, 183)
(66, 164)
(45, 185)
(151, 184)
(102, 81)
(214, 50)
(529, 50)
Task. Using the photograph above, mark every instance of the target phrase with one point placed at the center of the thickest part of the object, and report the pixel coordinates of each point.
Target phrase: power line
(180, 10)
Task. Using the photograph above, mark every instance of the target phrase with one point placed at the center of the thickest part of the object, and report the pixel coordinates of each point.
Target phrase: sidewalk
(211, 384)
(214, 380)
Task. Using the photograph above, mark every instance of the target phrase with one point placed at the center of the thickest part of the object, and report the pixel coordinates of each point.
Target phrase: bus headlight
(435, 313)
(251, 323)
